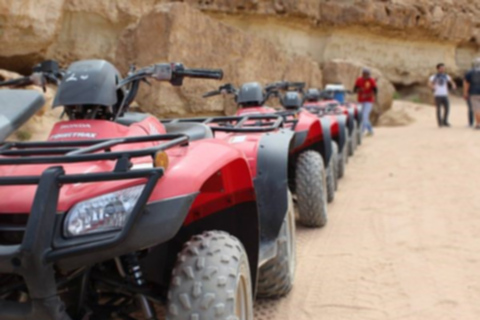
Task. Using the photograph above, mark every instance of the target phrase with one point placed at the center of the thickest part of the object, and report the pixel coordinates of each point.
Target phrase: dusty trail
(403, 238)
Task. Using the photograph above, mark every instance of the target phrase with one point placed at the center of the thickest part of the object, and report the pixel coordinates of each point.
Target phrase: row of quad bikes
(119, 211)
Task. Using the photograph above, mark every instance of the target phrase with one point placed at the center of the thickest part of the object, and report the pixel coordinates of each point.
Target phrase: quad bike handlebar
(285, 86)
(45, 72)
(172, 72)
(274, 89)
(225, 89)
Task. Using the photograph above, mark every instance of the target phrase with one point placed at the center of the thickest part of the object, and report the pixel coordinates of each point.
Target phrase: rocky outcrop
(204, 42)
(346, 72)
(146, 32)
(402, 38)
(395, 118)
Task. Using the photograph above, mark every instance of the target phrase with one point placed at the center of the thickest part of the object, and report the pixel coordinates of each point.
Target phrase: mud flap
(326, 144)
(271, 187)
(351, 120)
(342, 138)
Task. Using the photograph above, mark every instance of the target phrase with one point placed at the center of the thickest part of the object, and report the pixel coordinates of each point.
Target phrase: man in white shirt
(439, 84)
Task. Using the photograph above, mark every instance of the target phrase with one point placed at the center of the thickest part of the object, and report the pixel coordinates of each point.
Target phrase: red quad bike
(338, 116)
(17, 106)
(113, 212)
(307, 155)
(266, 145)
(336, 93)
(288, 94)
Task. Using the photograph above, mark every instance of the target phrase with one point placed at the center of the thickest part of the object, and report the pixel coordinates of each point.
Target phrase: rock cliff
(145, 32)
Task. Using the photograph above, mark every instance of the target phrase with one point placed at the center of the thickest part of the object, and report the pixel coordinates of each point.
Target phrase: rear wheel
(276, 276)
(211, 280)
(311, 189)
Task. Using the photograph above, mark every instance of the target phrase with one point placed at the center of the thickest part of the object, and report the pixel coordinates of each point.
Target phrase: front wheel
(311, 189)
(276, 277)
(211, 280)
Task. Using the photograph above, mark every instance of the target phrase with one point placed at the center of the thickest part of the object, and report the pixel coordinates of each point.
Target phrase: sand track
(403, 239)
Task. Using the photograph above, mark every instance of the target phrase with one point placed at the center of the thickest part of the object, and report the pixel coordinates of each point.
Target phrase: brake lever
(38, 79)
(211, 94)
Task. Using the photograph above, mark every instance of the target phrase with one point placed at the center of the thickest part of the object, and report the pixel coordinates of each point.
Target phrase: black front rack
(290, 117)
(252, 123)
(50, 152)
(34, 257)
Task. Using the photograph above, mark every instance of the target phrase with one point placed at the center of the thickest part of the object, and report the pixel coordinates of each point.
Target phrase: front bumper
(35, 257)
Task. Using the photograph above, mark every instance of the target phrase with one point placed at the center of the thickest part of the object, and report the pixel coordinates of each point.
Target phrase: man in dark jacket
(471, 90)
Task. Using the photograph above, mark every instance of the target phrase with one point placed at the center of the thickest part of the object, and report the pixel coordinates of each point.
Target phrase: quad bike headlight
(108, 212)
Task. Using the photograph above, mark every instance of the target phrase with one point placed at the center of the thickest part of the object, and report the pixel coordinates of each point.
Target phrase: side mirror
(48, 66)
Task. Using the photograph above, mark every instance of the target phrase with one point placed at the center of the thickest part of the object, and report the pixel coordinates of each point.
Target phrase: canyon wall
(404, 39)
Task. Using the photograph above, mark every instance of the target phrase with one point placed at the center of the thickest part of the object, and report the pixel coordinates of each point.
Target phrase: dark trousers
(470, 112)
(442, 103)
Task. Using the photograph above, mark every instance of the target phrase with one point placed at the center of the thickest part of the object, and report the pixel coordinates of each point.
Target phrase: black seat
(195, 131)
(16, 107)
(130, 118)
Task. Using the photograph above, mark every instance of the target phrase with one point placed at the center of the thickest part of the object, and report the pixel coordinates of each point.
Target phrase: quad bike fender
(209, 166)
(351, 120)
(341, 139)
(358, 112)
(326, 143)
(322, 144)
(271, 182)
(308, 132)
(211, 180)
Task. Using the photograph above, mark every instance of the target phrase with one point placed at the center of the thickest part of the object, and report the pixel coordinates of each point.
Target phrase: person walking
(439, 84)
(366, 88)
(471, 90)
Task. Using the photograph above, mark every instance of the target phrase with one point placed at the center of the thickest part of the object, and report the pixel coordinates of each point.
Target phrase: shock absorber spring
(134, 272)
(129, 267)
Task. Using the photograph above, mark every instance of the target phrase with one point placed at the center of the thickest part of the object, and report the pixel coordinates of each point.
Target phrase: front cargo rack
(50, 152)
(253, 123)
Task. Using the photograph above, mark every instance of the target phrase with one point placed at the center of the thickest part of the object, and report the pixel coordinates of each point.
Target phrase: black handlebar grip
(25, 81)
(202, 73)
(211, 94)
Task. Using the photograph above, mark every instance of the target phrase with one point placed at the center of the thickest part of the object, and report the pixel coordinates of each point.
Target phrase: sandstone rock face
(204, 43)
(346, 73)
(403, 38)
(146, 32)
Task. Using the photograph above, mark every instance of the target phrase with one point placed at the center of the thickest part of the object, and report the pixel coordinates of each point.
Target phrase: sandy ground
(403, 239)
